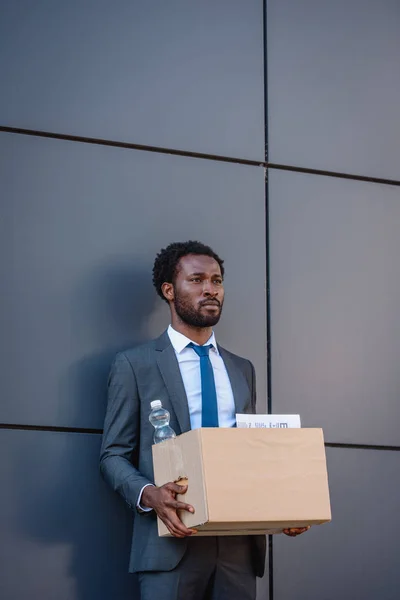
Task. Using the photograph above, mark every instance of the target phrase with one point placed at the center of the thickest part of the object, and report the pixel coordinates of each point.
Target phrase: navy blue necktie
(209, 404)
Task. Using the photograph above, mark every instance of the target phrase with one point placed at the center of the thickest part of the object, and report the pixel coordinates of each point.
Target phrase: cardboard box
(247, 481)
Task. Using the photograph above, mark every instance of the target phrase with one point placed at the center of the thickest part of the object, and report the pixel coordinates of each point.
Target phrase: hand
(163, 501)
(295, 531)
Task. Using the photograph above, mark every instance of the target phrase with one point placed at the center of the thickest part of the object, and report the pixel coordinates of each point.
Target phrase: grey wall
(80, 226)
(333, 97)
(180, 74)
(334, 85)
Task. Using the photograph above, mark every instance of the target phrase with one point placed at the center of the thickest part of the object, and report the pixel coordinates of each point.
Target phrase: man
(200, 384)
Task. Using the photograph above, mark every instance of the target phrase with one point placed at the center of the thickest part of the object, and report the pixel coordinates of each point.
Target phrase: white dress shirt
(189, 366)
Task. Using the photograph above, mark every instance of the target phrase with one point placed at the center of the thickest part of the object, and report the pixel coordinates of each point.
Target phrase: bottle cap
(156, 404)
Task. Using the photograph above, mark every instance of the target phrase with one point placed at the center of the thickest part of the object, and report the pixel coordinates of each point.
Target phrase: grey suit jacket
(137, 377)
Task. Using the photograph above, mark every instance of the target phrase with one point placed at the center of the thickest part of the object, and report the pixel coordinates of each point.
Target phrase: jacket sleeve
(121, 433)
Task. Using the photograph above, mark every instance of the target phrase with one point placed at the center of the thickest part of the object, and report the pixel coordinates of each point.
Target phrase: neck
(200, 335)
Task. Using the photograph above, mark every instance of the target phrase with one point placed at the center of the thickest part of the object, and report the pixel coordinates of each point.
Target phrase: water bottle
(159, 418)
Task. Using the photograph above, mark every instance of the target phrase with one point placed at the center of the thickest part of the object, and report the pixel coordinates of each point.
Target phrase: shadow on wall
(110, 311)
(63, 499)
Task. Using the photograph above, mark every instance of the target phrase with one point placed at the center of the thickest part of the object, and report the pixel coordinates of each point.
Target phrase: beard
(192, 316)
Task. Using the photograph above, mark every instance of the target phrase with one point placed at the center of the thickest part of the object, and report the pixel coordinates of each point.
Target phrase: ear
(168, 291)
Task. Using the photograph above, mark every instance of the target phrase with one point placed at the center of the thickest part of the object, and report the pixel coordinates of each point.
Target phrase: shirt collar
(180, 341)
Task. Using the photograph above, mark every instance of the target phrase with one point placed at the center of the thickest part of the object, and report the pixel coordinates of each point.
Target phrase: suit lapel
(238, 381)
(169, 369)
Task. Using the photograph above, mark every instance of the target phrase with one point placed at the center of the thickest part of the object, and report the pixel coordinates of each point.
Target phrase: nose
(209, 289)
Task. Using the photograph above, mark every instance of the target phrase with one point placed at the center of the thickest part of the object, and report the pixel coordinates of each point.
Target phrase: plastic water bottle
(159, 418)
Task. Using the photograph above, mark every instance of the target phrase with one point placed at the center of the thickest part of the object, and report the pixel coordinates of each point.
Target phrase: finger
(184, 531)
(182, 506)
(292, 532)
(176, 489)
(179, 534)
(172, 528)
(175, 533)
(179, 526)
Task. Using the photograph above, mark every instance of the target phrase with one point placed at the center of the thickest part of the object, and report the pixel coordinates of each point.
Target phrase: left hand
(295, 531)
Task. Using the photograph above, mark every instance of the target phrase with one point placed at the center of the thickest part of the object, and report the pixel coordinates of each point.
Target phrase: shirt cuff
(139, 507)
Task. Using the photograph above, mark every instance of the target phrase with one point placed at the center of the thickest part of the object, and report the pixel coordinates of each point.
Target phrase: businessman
(202, 385)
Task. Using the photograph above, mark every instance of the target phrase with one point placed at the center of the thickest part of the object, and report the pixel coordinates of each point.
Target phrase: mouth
(215, 304)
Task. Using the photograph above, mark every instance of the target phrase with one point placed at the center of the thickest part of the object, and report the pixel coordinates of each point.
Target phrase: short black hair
(166, 262)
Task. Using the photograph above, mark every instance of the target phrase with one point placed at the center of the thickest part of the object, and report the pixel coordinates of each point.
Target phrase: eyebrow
(202, 274)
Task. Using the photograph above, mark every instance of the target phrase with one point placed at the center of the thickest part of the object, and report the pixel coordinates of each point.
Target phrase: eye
(195, 279)
(218, 281)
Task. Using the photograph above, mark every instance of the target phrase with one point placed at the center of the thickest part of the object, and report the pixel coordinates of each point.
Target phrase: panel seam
(131, 146)
(200, 155)
(54, 428)
(267, 267)
(98, 431)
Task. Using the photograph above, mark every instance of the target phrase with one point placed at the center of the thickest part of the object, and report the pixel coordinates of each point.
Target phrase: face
(198, 292)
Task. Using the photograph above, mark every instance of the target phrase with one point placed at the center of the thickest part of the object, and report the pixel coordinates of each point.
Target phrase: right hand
(163, 501)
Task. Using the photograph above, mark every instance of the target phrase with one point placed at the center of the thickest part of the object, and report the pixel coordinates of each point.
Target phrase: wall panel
(64, 534)
(334, 85)
(82, 225)
(356, 555)
(179, 74)
(335, 292)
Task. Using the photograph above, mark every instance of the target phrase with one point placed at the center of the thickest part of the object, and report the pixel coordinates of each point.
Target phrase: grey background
(181, 74)
(356, 555)
(64, 534)
(83, 224)
(80, 225)
(334, 85)
(335, 293)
